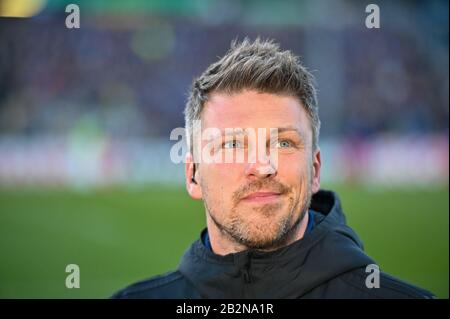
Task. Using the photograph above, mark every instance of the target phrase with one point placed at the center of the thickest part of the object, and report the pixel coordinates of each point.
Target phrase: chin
(263, 234)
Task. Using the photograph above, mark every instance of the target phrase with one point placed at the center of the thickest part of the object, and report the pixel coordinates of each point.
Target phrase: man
(271, 233)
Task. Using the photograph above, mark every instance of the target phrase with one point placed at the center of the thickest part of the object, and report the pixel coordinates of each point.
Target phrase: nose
(260, 165)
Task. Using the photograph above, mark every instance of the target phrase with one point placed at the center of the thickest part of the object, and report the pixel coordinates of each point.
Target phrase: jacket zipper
(246, 276)
(246, 268)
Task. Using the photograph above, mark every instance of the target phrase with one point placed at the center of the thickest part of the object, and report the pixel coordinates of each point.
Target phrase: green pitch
(118, 236)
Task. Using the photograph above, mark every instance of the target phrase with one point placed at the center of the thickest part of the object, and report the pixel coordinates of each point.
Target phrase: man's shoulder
(388, 287)
(171, 285)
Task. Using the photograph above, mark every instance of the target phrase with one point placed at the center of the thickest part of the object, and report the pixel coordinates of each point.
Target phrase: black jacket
(328, 262)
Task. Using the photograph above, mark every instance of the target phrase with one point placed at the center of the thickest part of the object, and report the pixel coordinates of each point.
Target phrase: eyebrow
(289, 129)
(300, 133)
(226, 133)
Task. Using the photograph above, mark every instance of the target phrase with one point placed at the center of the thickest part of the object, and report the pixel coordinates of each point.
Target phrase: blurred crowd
(73, 96)
(129, 75)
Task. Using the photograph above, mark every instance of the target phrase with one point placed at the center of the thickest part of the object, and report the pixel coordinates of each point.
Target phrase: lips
(262, 197)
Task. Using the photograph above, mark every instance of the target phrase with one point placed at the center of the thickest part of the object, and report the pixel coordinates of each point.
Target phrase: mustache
(268, 185)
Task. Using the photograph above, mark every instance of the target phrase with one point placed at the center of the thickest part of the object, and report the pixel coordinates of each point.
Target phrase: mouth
(262, 197)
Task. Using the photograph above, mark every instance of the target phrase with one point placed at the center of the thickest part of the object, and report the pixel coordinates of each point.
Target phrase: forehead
(251, 109)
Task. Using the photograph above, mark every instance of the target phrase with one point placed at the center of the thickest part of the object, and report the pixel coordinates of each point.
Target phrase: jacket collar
(332, 248)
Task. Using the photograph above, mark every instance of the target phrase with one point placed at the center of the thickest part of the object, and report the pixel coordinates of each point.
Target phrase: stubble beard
(266, 235)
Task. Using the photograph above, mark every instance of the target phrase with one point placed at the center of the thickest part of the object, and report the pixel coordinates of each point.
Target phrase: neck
(224, 244)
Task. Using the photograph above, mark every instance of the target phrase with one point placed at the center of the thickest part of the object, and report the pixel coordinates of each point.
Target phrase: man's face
(259, 201)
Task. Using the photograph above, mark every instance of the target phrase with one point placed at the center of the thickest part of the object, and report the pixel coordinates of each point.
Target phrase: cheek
(221, 180)
(293, 169)
(223, 174)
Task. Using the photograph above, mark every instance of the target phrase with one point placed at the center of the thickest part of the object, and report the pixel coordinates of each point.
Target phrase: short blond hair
(259, 65)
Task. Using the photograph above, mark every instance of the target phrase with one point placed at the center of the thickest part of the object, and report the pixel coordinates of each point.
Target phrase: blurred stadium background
(86, 114)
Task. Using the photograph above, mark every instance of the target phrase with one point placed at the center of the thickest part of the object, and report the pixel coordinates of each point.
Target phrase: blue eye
(284, 144)
(232, 144)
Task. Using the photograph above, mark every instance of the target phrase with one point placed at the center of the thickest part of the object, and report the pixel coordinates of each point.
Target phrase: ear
(192, 187)
(317, 164)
